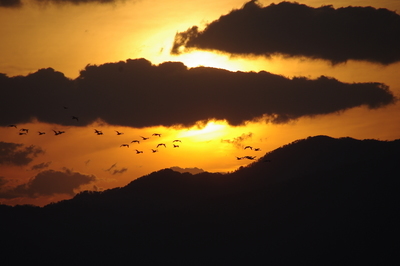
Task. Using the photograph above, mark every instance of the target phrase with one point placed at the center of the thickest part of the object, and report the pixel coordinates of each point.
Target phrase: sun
(209, 59)
(212, 130)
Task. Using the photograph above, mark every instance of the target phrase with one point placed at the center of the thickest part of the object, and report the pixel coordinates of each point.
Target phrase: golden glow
(213, 130)
(209, 59)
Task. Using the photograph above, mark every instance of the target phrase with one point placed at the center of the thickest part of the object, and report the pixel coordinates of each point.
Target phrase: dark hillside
(319, 200)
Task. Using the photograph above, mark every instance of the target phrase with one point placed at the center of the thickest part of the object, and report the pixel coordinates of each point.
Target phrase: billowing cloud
(17, 154)
(10, 3)
(138, 94)
(297, 30)
(50, 182)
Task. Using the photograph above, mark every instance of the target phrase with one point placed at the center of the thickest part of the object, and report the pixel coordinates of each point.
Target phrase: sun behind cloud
(212, 130)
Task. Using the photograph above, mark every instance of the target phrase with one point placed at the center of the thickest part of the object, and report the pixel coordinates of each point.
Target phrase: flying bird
(248, 147)
(41, 133)
(58, 132)
(119, 133)
(75, 117)
(12, 126)
(124, 145)
(257, 149)
(98, 132)
(177, 140)
(137, 151)
(161, 144)
(153, 150)
(135, 141)
(144, 138)
(250, 157)
(156, 134)
(176, 146)
(22, 133)
(239, 158)
(24, 129)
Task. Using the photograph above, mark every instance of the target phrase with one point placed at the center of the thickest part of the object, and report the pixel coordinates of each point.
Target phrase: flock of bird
(25, 131)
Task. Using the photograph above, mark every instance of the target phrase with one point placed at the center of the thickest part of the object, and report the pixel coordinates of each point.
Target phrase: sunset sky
(210, 76)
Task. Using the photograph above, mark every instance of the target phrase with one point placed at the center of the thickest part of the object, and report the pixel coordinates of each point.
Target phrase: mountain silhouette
(318, 200)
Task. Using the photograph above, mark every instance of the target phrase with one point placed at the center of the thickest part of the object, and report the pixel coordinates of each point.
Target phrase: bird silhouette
(248, 147)
(12, 126)
(135, 141)
(58, 132)
(41, 133)
(156, 134)
(144, 138)
(119, 133)
(22, 133)
(75, 117)
(154, 150)
(239, 158)
(250, 157)
(176, 146)
(24, 129)
(124, 145)
(257, 149)
(177, 140)
(98, 132)
(137, 151)
(161, 144)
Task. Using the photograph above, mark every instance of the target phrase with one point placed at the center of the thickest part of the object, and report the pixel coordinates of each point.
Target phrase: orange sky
(69, 37)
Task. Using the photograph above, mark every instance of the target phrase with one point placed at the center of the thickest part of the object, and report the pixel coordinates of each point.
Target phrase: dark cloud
(192, 170)
(3, 181)
(17, 154)
(10, 3)
(119, 171)
(237, 141)
(19, 3)
(113, 170)
(40, 166)
(138, 94)
(50, 182)
(297, 30)
(77, 2)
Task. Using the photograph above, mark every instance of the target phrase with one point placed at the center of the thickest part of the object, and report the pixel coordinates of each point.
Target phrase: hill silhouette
(318, 200)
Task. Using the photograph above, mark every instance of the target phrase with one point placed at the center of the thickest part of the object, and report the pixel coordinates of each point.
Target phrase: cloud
(297, 30)
(10, 3)
(50, 182)
(192, 170)
(40, 166)
(3, 181)
(115, 171)
(17, 154)
(237, 141)
(138, 94)
(19, 3)
(77, 2)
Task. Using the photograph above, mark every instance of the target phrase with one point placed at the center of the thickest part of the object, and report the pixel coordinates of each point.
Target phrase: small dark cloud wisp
(50, 182)
(17, 154)
(138, 94)
(297, 30)
(19, 3)
(10, 3)
(77, 2)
